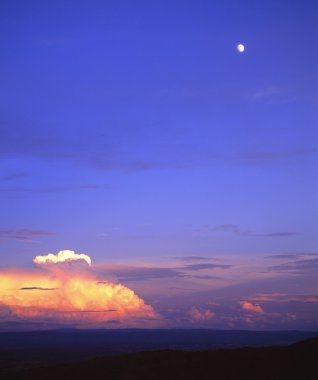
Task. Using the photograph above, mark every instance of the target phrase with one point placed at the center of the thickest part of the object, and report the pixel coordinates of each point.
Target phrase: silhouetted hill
(297, 361)
(42, 348)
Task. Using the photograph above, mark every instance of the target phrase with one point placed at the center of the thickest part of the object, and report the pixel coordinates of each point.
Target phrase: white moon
(240, 48)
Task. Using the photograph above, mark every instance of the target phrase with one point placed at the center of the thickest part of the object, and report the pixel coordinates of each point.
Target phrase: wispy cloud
(206, 277)
(127, 273)
(135, 273)
(291, 256)
(226, 227)
(237, 230)
(299, 266)
(49, 189)
(193, 258)
(196, 267)
(273, 234)
(267, 92)
(24, 234)
(259, 157)
(13, 176)
(91, 150)
(37, 288)
(284, 298)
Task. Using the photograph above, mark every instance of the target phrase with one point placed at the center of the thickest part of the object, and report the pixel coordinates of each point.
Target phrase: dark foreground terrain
(19, 350)
(297, 361)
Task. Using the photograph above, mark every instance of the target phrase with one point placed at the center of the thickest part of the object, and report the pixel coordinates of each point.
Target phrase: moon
(240, 48)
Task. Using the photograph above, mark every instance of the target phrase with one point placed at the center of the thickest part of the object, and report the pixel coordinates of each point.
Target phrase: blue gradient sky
(136, 132)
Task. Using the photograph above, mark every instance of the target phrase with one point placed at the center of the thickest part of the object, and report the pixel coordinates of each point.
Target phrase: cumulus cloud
(75, 298)
(62, 256)
(248, 306)
(200, 315)
(291, 317)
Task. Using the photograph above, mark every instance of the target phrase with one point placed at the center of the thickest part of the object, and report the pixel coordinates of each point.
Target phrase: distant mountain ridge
(29, 349)
(149, 338)
(296, 361)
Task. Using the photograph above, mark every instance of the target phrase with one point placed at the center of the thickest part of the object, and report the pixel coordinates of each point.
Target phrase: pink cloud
(200, 315)
(248, 306)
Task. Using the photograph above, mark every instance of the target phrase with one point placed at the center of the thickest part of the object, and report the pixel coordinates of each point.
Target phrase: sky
(137, 134)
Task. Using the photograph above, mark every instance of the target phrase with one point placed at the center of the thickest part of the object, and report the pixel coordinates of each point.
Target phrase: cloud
(283, 256)
(299, 266)
(24, 234)
(206, 277)
(13, 176)
(272, 156)
(285, 298)
(235, 229)
(37, 288)
(291, 256)
(267, 92)
(200, 315)
(132, 273)
(248, 306)
(193, 258)
(50, 189)
(94, 150)
(275, 234)
(128, 273)
(291, 317)
(226, 227)
(61, 257)
(195, 267)
(70, 297)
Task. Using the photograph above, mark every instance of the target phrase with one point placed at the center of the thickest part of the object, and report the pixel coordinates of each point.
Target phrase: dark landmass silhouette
(296, 361)
(29, 349)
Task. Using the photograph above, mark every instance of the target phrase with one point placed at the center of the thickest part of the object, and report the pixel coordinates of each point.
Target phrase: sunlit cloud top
(62, 256)
(74, 298)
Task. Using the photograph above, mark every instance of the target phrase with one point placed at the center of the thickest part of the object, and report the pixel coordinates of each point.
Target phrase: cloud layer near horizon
(67, 290)
(69, 295)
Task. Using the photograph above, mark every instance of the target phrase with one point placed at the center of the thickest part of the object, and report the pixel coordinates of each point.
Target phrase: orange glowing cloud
(69, 297)
(248, 306)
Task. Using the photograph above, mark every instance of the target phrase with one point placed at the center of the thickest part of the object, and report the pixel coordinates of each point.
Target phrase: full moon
(240, 48)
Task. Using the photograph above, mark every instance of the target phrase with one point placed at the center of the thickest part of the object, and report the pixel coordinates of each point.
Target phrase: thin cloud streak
(237, 230)
(13, 176)
(24, 234)
(291, 256)
(53, 189)
(134, 273)
(197, 267)
(274, 234)
(300, 266)
(90, 152)
(284, 298)
(37, 288)
(193, 258)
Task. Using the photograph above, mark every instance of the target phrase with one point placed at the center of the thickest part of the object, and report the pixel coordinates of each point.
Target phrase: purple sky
(136, 133)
